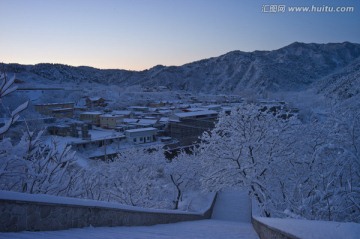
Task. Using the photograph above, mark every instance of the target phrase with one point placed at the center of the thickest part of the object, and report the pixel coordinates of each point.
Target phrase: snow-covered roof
(139, 113)
(163, 108)
(183, 106)
(140, 130)
(138, 107)
(164, 119)
(94, 98)
(62, 126)
(164, 111)
(62, 109)
(212, 106)
(91, 113)
(166, 138)
(197, 113)
(121, 112)
(128, 121)
(226, 108)
(110, 116)
(150, 117)
(50, 104)
(196, 109)
(147, 121)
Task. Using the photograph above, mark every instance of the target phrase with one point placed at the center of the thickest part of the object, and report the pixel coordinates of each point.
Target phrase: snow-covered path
(231, 219)
(232, 206)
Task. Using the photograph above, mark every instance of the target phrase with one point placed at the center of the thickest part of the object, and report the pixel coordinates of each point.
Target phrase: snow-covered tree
(140, 178)
(136, 177)
(308, 170)
(34, 167)
(330, 188)
(244, 150)
(7, 87)
(30, 165)
(184, 173)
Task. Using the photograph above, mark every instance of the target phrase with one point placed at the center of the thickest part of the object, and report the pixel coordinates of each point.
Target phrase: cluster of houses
(172, 123)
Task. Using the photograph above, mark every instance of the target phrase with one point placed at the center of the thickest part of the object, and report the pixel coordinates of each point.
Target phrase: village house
(156, 104)
(130, 121)
(91, 117)
(213, 107)
(60, 130)
(141, 136)
(75, 129)
(58, 110)
(61, 113)
(193, 109)
(110, 121)
(147, 123)
(142, 109)
(165, 111)
(92, 102)
(123, 113)
(186, 127)
(98, 139)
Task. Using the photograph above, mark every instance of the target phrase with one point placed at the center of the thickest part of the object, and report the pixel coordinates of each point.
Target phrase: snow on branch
(6, 88)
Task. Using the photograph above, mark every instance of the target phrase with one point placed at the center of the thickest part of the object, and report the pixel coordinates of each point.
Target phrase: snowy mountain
(295, 67)
(343, 84)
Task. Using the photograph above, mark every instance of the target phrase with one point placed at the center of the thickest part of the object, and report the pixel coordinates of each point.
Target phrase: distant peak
(158, 67)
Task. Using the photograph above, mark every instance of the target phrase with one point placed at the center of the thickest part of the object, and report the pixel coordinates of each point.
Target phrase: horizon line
(162, 65)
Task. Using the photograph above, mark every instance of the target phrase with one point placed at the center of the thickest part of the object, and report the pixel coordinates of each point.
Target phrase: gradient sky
(139, 34)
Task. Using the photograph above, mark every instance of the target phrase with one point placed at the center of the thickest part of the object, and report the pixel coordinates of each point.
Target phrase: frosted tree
(244, 150)
(30, 165)
(136, 177)
(7, 87)
(330, 190)
(141, 177)
(184, 173)
(299, 170)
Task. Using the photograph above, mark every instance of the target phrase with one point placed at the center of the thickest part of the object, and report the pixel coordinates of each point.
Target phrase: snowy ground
(232, 206)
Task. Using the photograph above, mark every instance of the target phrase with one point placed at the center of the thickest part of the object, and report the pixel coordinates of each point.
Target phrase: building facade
(58, 110)
(141, 136)
(188, 127)
(109, 121)
(91, 117)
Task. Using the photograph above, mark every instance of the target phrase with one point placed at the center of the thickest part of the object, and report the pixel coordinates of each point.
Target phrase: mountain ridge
(293, 67)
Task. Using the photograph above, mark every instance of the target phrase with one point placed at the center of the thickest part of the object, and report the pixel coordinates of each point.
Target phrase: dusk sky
(139, 34)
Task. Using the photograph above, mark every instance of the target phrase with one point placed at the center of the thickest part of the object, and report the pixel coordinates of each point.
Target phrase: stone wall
(266, 232)
(32, 215)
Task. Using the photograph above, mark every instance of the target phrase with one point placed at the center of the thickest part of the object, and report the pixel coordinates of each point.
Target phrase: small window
(134, 140)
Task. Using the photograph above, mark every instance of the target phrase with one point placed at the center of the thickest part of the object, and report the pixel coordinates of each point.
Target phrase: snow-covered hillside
(294, 67)
(343, 84)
